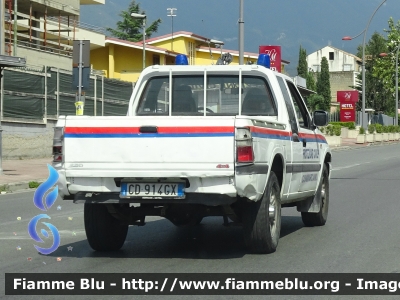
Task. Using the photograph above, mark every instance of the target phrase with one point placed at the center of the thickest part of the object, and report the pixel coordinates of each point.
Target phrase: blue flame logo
(45, 187)
(44, 204)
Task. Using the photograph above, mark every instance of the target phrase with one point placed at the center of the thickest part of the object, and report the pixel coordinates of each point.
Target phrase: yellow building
(121, 59)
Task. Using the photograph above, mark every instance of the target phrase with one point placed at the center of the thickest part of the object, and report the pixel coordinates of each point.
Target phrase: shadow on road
(162, 239)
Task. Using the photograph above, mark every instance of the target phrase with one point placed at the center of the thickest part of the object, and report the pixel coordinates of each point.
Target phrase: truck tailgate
(149, 146)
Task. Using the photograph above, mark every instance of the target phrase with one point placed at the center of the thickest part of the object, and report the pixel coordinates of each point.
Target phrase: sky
(312, 24)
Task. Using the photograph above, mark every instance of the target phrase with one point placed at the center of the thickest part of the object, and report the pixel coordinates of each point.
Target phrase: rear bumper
(212, 191)
(191, 198)
(248, 182)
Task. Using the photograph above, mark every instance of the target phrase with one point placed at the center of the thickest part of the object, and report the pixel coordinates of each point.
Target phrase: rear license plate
(163, 190)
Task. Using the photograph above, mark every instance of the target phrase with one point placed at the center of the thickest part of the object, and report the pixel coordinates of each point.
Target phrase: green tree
(132, 29)
(383, 72)
(302, 71)
(311, 81)
(323, 85)
(315, 102)
(302, 67)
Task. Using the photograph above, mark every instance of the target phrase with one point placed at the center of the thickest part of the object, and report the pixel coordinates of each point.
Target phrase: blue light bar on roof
(264, 60)
(181, 59)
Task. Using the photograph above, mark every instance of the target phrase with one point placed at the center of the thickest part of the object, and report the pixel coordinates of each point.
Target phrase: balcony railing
(78, 24)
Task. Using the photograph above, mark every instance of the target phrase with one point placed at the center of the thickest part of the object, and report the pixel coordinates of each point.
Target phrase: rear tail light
(58, 144)
(57, 153)
(244, 146)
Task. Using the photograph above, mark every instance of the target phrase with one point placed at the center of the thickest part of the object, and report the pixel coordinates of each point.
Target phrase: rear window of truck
(221, 94)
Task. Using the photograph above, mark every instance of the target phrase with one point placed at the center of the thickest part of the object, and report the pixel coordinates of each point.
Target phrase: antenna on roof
(225, 59)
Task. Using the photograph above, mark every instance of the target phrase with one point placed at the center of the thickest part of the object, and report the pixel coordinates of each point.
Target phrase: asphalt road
(361, 235)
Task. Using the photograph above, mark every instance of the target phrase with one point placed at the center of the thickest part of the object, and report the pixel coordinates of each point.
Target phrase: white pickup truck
(235, 141)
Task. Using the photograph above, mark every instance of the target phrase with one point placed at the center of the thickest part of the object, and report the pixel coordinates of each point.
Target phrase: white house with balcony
(344, 68)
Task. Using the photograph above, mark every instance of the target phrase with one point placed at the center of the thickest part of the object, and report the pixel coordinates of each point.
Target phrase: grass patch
(33, 184)
(3, 188)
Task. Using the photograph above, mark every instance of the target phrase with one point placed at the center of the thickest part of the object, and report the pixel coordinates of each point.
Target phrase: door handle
(148, 129)
(304, 143)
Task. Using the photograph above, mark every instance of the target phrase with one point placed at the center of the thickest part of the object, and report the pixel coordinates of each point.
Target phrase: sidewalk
(18, 173)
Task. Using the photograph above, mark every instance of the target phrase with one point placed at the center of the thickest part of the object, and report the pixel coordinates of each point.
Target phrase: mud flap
(311, 204)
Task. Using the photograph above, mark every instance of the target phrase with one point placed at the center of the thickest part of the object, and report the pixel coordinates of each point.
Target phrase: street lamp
(142, 17)
(171, 14)
(348, 38)
(396, 112)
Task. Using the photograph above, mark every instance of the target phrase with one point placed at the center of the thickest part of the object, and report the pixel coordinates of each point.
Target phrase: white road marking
(351, 166)
(345, 167)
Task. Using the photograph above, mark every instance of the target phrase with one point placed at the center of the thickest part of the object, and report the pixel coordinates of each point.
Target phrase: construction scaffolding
(49, 26)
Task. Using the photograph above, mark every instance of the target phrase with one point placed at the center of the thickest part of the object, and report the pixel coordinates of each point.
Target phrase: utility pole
(241, 34)
(15, 27)
(80, 72)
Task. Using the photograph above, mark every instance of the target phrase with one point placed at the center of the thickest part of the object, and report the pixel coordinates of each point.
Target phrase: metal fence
(334, 117)
(378, 118)
(370, 118)
(36, 93)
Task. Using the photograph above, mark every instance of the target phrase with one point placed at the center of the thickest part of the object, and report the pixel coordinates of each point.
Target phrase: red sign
(274, 53)
(347, 100)
(347, 96)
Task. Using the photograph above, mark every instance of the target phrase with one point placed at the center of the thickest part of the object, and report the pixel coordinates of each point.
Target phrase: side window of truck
(257, 98)
(300, 108)
(288, 102)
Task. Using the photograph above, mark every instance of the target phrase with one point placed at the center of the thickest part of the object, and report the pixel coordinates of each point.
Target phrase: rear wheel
(262, 219)
(319, 218)
(103, 231)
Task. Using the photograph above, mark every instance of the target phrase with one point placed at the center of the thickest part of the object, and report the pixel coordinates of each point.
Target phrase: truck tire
(262, 219)
(103, 231)
(319, 218)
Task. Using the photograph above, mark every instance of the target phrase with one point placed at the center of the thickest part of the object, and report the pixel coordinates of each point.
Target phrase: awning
(304, 91)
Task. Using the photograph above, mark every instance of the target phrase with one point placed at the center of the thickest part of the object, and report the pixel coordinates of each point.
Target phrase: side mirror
(320, 118)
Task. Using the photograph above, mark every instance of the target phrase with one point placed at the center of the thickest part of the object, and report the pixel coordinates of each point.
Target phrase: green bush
(329, 130)
(362, 130)
(385, 129)
(337, 130)
(349, 125)
(378, 128)
(392, 128)
(322, 129)
(371, 128)
(332, 130)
